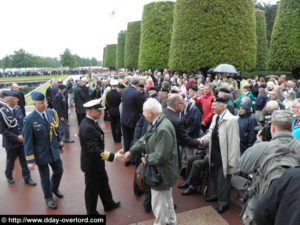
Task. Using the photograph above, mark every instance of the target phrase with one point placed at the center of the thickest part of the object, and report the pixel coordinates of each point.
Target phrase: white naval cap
(94, 104)
(114, 82)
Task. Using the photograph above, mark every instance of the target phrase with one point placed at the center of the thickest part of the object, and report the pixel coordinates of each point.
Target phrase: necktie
(14, 112)
(44, 116)
(217, 120)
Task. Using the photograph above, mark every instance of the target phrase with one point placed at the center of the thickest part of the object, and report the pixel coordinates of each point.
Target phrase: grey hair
(173, 99)
(246, 99)
(135, 81)
(152, 105)
(273, 104)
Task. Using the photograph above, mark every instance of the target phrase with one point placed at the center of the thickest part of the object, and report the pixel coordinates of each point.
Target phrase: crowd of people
(183, 125)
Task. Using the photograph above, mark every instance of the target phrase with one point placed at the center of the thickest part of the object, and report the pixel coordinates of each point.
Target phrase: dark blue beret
(218, 99)
(62, 86)
(11, 93)
(37, 96)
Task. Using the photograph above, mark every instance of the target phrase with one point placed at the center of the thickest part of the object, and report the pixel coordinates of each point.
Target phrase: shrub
(209, 32)
(121, 50)
(155, 39)
(103, 60)
(132, 44)
(262, 43)
(110, 56)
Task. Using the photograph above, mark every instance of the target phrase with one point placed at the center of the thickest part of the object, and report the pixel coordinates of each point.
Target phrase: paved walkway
(19, 198)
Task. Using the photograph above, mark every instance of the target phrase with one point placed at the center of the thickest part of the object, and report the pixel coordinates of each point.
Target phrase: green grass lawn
(43, 89)
(34, 77)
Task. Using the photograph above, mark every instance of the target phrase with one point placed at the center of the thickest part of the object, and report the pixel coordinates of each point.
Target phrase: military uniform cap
(62, 86)
(218, 99)
(10, 93)
(164, 90)
(94, 104)
(114, 82)
(122, 86)
(225, 90)
(151, 89)
(37, 96)
(282, 116)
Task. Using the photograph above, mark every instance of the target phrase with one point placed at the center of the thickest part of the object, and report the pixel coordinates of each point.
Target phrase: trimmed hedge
(262, 43)
(155, 39)
(288, 74)
(121, 50)
(110, 56)
(284, 51)
(103, 59)
(132, 44)
(209, 32)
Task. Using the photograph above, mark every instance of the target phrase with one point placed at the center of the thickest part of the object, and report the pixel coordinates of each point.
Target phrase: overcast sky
(48, 27)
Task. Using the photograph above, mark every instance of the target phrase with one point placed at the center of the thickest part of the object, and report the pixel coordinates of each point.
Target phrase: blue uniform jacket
(10, 135)
(42, 141)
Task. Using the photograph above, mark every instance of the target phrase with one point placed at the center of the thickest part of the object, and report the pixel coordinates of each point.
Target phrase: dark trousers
(128, 134)
(11, 155)
(115, 128)
(80, 117)
(50, 185)
(96, 184)
(65, 129)
(221, 186)
(196, 167)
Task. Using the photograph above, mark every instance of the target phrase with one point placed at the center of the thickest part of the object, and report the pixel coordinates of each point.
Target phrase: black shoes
(190, 190)
(58, 194)
(183, 185)
(69, 141)
(51, 204)
(30, 182)
(211, 199)
(222, 209)
(10, 180)
(113, 206)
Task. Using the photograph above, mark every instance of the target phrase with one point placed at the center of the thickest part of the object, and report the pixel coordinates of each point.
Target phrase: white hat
(114, 82)
(94, 104)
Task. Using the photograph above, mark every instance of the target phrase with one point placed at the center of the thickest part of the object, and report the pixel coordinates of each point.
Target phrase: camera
(265, 128)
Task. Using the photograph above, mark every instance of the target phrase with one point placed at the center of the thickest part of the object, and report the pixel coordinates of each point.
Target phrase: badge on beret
(36, 122)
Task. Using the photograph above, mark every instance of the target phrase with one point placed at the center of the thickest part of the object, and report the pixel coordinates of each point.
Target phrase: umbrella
(225, 68)
(211, 70)
(272, 76)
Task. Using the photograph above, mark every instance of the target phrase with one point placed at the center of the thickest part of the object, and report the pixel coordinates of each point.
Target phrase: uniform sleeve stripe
(60, 143)
(105, 155)
(30, 157)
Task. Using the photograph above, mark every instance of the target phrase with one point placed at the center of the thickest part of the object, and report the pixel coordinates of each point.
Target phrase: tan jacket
(229, 137)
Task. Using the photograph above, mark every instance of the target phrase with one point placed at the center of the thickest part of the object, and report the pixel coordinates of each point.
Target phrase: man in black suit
(132, 104)
(15, 87)
(81, 96)
(92, 160)
(49, 93)
(175, 106)
(113, 100)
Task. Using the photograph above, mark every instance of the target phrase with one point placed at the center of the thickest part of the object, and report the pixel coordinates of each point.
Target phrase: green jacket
(160, 146)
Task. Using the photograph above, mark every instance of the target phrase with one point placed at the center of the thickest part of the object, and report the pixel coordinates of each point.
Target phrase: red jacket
(205, 101)
(190, 84)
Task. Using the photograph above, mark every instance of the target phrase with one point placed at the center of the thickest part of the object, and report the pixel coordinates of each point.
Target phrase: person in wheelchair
(197, 167)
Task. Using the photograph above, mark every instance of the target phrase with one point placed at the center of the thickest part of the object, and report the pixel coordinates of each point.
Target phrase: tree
(284, 54)
(121, 50)
(21, 59)
(69, 60)
(132, 44)
(262, 43)
(103, 58)
(209, 32)
(110, 56)
(6, 62)
(155, 40)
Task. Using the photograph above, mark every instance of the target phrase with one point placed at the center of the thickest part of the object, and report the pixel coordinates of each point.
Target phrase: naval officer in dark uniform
(92, 160)
(113, 100)
(43, 145)
(11, 124)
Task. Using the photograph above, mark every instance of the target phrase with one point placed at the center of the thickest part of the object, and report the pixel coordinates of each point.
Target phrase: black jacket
(113, 100)
(49, 97)
(61, 105)
(132, 104)
(182, 137)
(81, 96)
(280, 204)
(92, 144)
(22, 102)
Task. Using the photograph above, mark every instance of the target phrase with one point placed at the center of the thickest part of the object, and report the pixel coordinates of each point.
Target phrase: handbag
(151, 176)
(138, 177)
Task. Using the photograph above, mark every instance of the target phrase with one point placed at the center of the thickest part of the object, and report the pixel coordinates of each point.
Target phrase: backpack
(277, 160)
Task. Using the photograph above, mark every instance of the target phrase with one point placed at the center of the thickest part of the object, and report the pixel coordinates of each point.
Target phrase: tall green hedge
(132, 44)
(209, 32)
(103, 59)
(155, 40)
(110, 56)
(262, 43)
(121, 50)
(284, 51)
